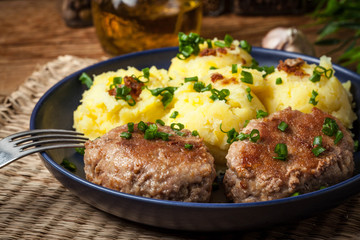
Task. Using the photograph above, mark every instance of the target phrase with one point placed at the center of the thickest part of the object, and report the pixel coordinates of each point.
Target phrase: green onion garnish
(177, 126)
(200, 87)
(281, 150)
(313, 96)
(249, 96)
(126, 135)
(188, 146)
(338, 136)
(254, 135)
(174, 114)
(317, 140)
(330, 127)
(189, 45)
(318, 150)
(142, 126)
(195, 133)
(282, 126)
(167, 94)
(246, 123)
(219, 95)
(261, 114)
(246, 77)
(191, 79)
(160, 122)
(245, 45)
(234, 68)
(228, 40)
(213, 68)
(80, 150)
(68, 165)
(278, 81)
(130, 127)
(86, 79)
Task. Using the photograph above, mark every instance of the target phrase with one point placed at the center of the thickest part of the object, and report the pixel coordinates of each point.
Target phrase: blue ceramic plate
(55, 110)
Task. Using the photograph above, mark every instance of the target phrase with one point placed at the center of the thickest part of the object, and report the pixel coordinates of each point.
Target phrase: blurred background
(34, 32)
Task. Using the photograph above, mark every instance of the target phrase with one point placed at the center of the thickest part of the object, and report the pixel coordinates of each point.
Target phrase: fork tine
(50, 147)
(41, 131)
(49, 141)
(46, 136)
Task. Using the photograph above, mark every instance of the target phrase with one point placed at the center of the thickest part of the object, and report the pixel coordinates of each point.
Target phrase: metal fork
(22, 144)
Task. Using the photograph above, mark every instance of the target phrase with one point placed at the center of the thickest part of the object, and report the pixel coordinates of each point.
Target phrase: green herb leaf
(234, 68)
(126, 135)
(86, 79)
(130, 126)
(313, 96)
(281, 151)
(188, 146)
(80, 150)
(330, 127)
(174, 114)
(246, 77)
(68, 165)
(278, 81)
(200, 87)
(191, 79)
(261, 114)
(249, 96)
(177, 126)
(317, 140)
(189, 45)
(219, 95)
(338, 136)
(282, 126)
(195, 133)
(318, 150)
(160, 122)
(246, 46)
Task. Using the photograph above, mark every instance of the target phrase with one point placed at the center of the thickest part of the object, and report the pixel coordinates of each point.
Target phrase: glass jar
(125, 26)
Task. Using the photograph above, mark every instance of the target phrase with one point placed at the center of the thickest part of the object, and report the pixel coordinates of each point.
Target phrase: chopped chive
(174, 114)
(188, 146)
(254, 135)
(86, 79)
(312, 99)
(160, 122)
(213, 68)
(282, 126)
(330, 127)
(126, 135)
(338, 136)
(80, 150)
(228, 40)
(219, 95)
(200, 87)
(281, 151)
(130, 126)
(242, 136)
(191, 79)
(177, 126)
(245, 45)
(195, 133)
(220, 44)
(142, 126)
(249, 96)
(261, 114)
(68, 165)
(278, 81)
(318, 150)
(246, 77)
(234, 68)
(150, 132)
(246, 123)
(209, 43)
(317, 140)
(295, 194)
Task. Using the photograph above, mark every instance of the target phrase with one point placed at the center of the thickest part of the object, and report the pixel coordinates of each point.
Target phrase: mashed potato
(100, 112)
(296, 91)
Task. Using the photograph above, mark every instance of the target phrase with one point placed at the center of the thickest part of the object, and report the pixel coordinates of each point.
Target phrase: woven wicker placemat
(33, 205)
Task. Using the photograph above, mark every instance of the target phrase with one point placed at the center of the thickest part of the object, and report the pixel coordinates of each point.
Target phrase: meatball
(256, 172)
(179, 168)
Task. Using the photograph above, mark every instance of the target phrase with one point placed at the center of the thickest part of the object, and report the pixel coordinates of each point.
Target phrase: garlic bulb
(288, 39)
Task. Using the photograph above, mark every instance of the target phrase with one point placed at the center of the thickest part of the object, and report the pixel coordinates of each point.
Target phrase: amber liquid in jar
(135, 25)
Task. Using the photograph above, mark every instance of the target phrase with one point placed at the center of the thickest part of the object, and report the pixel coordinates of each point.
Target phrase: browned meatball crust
(151, 168)
(254, 175)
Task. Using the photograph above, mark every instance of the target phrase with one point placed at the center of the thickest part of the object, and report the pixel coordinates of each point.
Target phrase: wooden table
(32, 32)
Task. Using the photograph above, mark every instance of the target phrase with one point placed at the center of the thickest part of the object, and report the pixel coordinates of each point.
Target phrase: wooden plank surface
(32, 32)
